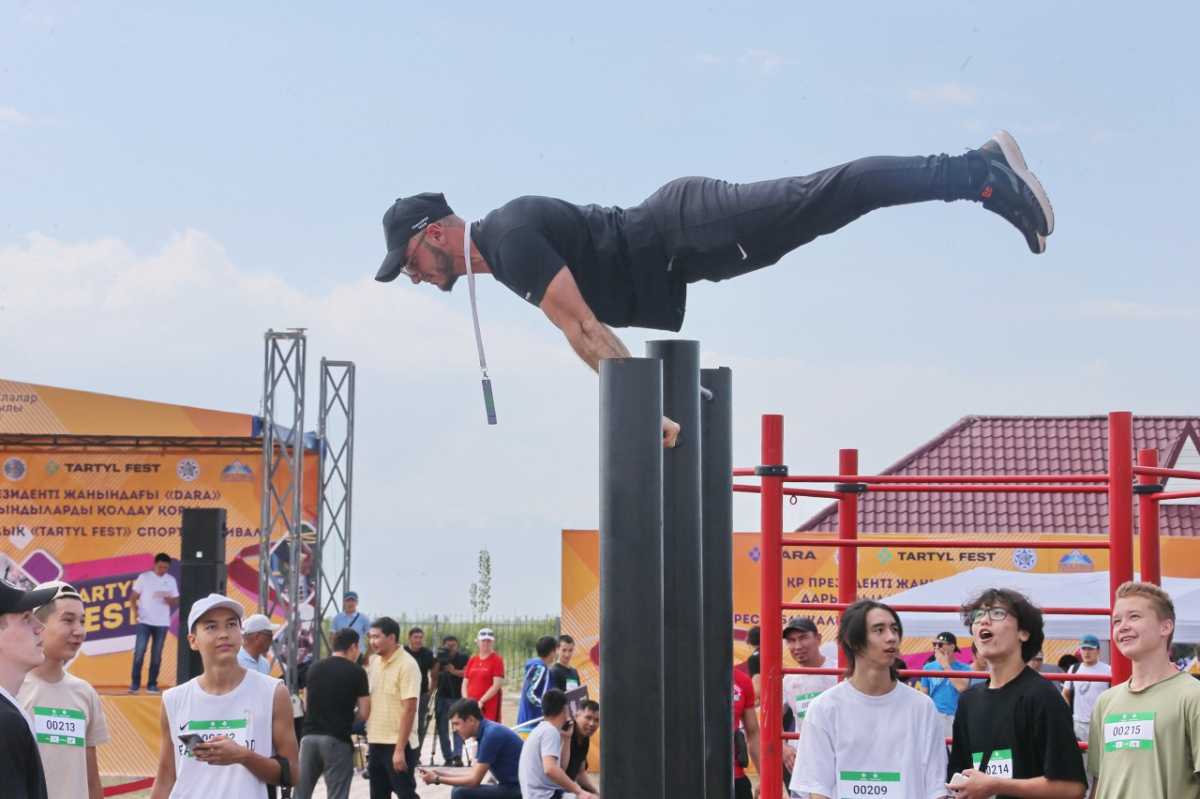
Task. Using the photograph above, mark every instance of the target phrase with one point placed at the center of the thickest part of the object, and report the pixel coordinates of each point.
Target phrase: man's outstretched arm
(591, 339)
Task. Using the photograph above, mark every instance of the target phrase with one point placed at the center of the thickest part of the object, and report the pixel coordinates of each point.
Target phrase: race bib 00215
(1000, 764)
(857, 784)
(59, 726)
(1129, 731)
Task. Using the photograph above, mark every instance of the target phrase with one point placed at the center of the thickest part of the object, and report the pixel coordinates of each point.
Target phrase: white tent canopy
(1077, 590)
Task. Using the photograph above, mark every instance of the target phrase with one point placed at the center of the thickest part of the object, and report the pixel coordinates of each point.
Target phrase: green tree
(481, 589)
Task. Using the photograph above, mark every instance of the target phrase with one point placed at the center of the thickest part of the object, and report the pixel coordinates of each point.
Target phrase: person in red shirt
(744, 717)
(485, 675)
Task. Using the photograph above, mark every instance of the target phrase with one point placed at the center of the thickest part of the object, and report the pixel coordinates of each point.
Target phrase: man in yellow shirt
(393, 746)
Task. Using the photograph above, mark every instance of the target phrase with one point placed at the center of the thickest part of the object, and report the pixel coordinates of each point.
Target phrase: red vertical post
(1120, 519)
(847, 528)
(1148, 522)
(770, 626)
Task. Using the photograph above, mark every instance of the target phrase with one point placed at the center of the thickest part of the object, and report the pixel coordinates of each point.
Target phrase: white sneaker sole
(1012, 154)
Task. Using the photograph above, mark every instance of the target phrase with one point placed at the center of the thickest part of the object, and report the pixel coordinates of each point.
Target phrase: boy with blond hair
(1144, 738)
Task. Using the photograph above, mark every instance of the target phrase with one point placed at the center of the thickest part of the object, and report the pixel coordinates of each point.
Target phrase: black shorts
(742, 789)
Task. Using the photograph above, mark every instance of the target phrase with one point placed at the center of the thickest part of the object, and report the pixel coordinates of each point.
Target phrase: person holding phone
(547, 750)
(228, 733)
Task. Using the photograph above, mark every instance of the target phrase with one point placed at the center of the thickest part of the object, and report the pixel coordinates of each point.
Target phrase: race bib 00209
(1000, 764)
(802, 703)
(1125, 731)
(857, 784)
(59, 726)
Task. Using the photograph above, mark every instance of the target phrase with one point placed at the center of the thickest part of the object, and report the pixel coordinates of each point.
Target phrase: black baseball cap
(407, 217)
(14, 600)
(801, 623)
(948, 638)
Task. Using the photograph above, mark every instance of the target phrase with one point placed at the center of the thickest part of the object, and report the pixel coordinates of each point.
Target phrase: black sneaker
(1014, 192)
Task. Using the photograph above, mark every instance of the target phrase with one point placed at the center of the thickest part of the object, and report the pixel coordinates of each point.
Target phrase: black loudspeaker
(201, 572)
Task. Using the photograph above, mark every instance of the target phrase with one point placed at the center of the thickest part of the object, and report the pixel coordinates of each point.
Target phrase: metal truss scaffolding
(280, 564)
(335, 434)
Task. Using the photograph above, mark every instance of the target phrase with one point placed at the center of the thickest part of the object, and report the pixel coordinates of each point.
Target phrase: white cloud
(709, 58)
(11, 116)
(768, 62)
(952, 93)
(1133, 311)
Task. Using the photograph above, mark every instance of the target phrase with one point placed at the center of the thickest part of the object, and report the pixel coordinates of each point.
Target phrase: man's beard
(445, 270)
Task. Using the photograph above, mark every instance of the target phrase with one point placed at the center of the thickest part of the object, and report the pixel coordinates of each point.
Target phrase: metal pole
(631, 598)
(1120, 519)
(847, 529)
(683, 692)
(1148, 522)
(716, 558)
(771, 627)
(334, 504)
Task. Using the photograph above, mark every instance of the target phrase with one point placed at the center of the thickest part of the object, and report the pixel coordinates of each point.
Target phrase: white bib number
(802, 703)
(236, 729)
(1000, 764)
(859, 784)
(59, 726)
(1124, 731)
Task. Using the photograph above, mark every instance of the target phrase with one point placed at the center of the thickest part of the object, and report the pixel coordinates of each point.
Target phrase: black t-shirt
(1027, 718)
(559, 674)
(616, 257)
(579, 755)
(20, 763)
(752, 667)
(424, 658)
(334, 687)
(450, 686)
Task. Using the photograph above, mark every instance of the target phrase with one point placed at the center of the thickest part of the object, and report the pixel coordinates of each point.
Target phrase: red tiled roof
(1021, 445)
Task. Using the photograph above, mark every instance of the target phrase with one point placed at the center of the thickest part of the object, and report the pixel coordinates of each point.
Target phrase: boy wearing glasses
(1013, 736)
(20, 651)
(67, 716)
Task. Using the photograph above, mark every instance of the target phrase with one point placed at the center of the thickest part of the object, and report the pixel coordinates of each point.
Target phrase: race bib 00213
(1128, 731)
(1000, 764)
(59, 726)
(856, 784)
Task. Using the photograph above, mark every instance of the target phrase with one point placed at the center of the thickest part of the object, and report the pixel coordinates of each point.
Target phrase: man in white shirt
(67, 716)
(850, 745)
(257, 634)
(155, 595)
(803, 642)
(1082, 695)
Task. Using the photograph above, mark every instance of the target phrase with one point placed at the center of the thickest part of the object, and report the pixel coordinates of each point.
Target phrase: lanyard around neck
(489, 403)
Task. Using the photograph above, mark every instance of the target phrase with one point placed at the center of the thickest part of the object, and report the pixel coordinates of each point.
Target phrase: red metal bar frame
(1148, 521)
(966, 675)
(847, 522)
(770, 626)
(1159, 471)
(831, 606)
(986, 489)
(947, 543)
(791, 492)
(1120, 520)
(1176, 495)
(883, 479)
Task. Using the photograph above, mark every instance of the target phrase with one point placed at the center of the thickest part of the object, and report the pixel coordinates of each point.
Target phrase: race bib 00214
(857, 784)
(59, 726)
(1000, 764)
(1125, 731)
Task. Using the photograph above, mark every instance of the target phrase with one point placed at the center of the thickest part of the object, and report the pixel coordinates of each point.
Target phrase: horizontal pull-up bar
(945, 543)
(956, 609)
(987, 488)
(1175, 495)
(742, 488)
(945, 478)
(962, 675)
(1162, 471)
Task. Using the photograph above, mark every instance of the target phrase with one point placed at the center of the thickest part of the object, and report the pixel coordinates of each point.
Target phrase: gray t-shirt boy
(544, 741)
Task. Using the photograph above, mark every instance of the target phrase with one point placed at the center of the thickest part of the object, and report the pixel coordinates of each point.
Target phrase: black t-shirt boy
(424, 658)
(1025, 725)
(579, 754)
(450, 686)
(560, 675)
(334, 688)
(20, 763)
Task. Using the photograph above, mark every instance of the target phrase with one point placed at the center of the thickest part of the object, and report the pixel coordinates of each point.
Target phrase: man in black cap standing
(20, 652)
(590, 268)
(944, 691)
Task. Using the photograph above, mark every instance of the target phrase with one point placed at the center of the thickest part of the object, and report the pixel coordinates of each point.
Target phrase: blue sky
(177, 181)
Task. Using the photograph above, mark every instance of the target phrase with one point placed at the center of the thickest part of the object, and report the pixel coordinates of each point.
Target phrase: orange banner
(96, 518)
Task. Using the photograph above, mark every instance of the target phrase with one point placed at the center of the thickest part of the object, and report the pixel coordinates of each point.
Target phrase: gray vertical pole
(682, 626)
(716, 559)
(631, 527)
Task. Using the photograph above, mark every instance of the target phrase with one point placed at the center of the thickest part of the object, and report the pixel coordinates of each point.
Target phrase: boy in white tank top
(227, 733)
